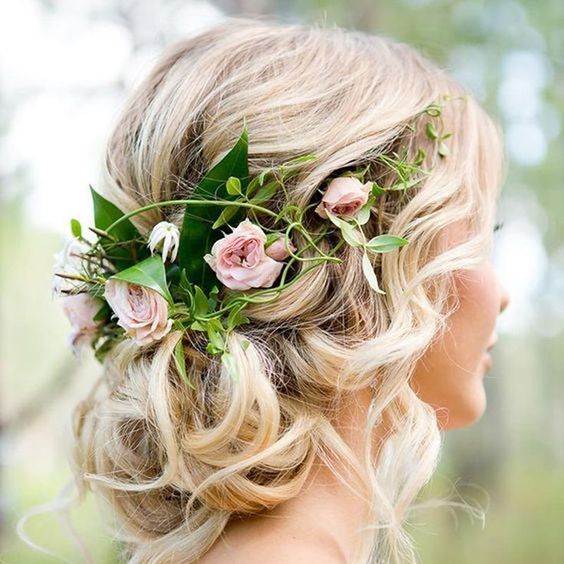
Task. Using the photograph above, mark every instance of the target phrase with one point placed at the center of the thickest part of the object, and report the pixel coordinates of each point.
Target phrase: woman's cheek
(449, 376)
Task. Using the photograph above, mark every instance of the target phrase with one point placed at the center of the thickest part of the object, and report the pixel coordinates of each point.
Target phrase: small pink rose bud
(277, 250)
(344, 197)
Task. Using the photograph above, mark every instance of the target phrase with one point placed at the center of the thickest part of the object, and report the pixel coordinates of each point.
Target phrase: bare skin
(317, 526)
(450, 375)
(320, 524)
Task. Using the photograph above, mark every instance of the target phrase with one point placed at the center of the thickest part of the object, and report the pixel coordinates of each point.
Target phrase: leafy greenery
(149, 273)
(227, 179)
(120, 243)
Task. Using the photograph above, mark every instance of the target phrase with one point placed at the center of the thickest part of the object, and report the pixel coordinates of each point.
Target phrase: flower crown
(122, 285)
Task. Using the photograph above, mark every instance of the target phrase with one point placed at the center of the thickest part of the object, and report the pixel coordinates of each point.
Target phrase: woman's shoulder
(274, 542)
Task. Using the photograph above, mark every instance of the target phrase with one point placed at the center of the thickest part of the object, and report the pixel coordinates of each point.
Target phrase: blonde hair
(175, 463)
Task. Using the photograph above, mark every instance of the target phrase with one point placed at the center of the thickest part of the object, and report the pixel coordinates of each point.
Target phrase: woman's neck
(326, 508)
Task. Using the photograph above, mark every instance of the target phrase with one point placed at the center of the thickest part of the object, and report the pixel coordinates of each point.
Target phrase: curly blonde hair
(175, 463)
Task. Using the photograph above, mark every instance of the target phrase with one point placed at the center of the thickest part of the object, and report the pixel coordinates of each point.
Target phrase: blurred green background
(66, 67)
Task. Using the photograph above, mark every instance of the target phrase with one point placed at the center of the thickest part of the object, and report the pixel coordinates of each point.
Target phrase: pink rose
(240, 261)
(80, 310)
(344, 196)
(142, 312)
(277, 250)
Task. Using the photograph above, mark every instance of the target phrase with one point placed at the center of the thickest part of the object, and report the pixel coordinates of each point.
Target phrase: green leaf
(271, 238)
(407, 184)
(443, 149)
(245, 344)
(106, 213)
(230, 364)
(201, 305)
(308, 157)
(197, 235)
(233, 186)
(385, 243)
(185, 290)
(198, 326)
(377, 190)
(363, 214)
(180, 362)
(225, 216)
(369, 274)
(351, 235)
(213, 297)
(236, 318)
(216, 333)
(262, 176)
(334, 219)
(433, 110)
(430, 131)
(419, 157)
(103, 313)
(265, 193)
(76, 228)
(149, 273)
(254, 185)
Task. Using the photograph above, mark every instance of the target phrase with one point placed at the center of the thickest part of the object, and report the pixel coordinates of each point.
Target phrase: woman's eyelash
(498, 226)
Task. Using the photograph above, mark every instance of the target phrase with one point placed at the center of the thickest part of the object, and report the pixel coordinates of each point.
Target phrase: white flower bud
(167, 234)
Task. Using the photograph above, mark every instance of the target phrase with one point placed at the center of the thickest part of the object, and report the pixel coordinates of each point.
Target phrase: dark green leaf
(121, 255)
(103, 313)
(106, 213)
(197, 235)
(149, 273)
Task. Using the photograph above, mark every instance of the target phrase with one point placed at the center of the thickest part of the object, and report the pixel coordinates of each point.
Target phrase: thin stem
(190, 202)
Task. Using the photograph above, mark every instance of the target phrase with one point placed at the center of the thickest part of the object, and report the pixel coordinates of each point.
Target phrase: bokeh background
(66, 67)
